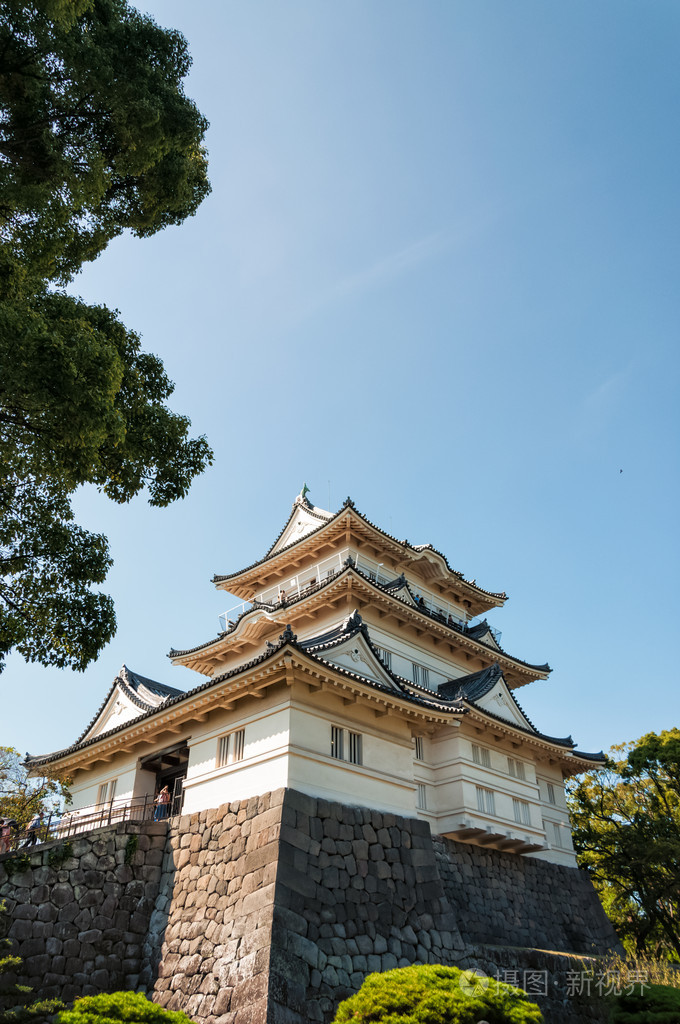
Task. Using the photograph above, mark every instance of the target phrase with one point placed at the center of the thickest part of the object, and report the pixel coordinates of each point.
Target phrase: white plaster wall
(405, 653)
(86, 784)
(383, 781)
(264, 764)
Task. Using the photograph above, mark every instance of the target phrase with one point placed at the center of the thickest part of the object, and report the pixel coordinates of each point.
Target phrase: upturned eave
(346, 526)
(206, 657)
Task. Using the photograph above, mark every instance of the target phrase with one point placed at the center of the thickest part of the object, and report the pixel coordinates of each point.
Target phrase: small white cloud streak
(391, 266)
(600, 404)
(403, 261)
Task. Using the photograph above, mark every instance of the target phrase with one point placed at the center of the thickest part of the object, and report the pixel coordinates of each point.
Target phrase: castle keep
(354, 786)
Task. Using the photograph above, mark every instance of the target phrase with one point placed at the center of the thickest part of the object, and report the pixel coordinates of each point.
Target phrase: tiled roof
(316, 647)
(348, 503)
(136, 688)
(472, 686)
(312, 510)
(473, 632)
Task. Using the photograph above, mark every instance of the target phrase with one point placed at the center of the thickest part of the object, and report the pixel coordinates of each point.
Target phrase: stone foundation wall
(272, 910)
(212, 926)
(505, 900)
(79, 922)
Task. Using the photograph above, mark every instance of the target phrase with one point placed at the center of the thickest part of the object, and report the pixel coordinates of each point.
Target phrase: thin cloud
(392, 266)
(404, 261)
(600, 404)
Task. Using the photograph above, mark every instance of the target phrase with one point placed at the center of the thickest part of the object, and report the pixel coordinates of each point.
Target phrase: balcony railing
(87, 819)
(311, 577)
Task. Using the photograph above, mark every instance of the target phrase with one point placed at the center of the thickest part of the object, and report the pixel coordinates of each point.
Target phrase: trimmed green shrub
(430, 994)
(658, 1004)
(115, 1007)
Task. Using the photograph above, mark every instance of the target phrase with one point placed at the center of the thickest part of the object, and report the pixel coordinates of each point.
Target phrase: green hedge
(658, 1004)
(132, 1007)
(435, 995)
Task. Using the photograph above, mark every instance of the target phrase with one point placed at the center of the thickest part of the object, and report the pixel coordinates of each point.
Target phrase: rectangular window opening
(230, 748)
(354, 748)
(517, 769)
(386, 657)
(337, 745)
(420, 748)
(486, 801)
(551, 793)
(481, 755)
(421, 675)
(421, 796)
(521, 811)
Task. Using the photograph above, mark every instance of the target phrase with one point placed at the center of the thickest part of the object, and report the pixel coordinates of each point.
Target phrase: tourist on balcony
(5, 835)
(32, 830)
(162, 804)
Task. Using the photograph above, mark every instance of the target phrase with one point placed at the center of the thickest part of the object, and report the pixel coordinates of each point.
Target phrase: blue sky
(438, 271)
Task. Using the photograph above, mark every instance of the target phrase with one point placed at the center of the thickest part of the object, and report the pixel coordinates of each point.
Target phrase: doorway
(170, 768)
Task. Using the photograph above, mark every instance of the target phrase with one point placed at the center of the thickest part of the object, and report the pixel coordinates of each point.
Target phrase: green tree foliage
(96, 137)
(18, 1004)
(435, 995)
(21, 798)
(117, 1007)
(626, 827)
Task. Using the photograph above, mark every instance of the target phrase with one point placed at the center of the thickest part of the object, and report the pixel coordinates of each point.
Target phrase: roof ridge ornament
(348, 503)
(354, 620)
(288, 636)
(302, 498)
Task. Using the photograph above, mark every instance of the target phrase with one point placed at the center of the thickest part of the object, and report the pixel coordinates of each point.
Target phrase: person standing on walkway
(162, 804)
(32, 830)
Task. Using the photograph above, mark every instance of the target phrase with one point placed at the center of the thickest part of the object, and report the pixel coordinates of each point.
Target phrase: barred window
(420, 748)
(386, 657)
(521, 811)
(337, 745)
(516, 768)
(230, 748)
(354, 747)
(557, 833)
(421, 796)
(421, 675)
(551, 793)
(486, 801)
(481, 755)
(106, 792)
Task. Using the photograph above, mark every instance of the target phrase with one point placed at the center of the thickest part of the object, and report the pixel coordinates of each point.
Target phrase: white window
(354, 747)
(386, 657)
(421, 675)
(106, 792)
(481, 755)
(521, 811)
(337, 745)
(346, 745)
(486, 801)
(516, 768)
(421, 796)
(557, 833)
(551, 793)
(420, 748)
(230, 748)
